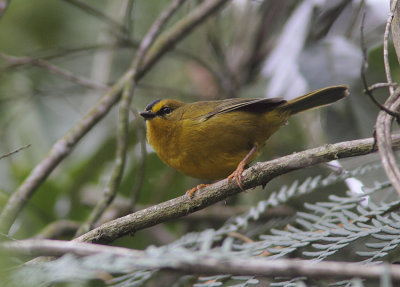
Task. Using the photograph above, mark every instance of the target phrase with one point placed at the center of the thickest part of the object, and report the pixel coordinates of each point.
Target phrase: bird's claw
(191, 192)
(237, 175)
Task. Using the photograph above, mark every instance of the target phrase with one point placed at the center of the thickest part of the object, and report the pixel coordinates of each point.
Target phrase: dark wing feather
(250, 105)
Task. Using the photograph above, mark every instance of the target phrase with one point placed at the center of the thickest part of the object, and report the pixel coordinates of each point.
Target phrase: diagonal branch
(258, 174)
(64, 145)
(79, 80)
(14, 151)
(123, 125)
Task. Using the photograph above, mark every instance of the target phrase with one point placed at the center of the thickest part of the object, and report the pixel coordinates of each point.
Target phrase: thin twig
(226, 77)
(15, 151)
(58, 229)
(128, 19)
(48, 247)
(384, 120)
(116, 174)
(64, 145)
(384, 141)
(178, 52)
(380, 86)
(97, 13)
(354, 20)
(82, 81)
(396, 30)
(153, 32)
(169, 39)
(364, 66)
(385, 46)
(258, 174)
(123, 125)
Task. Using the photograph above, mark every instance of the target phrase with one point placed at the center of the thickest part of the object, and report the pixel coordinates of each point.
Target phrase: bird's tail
(315, 99)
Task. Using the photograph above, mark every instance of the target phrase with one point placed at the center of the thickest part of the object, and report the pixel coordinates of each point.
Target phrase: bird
(212, 140)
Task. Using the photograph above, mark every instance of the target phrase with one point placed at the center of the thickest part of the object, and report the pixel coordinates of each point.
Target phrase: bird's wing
(251, 105)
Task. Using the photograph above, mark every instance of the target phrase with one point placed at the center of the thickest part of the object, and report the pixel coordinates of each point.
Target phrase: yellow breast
(211, 149)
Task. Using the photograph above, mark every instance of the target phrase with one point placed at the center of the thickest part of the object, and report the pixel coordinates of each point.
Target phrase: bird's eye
(165, 111)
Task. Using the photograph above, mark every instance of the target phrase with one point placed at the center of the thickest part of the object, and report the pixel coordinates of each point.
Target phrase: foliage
(352, 227)
(56, 58)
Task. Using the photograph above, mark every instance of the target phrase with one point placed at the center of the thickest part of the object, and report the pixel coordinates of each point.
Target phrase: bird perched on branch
(217, 139)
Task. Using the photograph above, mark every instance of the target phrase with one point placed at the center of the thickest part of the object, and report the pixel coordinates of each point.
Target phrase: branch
(385, 45)
(64, 146)
(384, 121)
(82, 81)
(121, 206)
(14, 151)
(383, 130)
(170, 38)
(123, 124)
(49, 247)
(98, 14)
(209, 263)
(286, 268)
(364, 65)
(396, 29)
(58, 229)
(259, 174)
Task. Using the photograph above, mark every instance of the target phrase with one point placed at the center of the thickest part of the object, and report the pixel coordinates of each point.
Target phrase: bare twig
(98, 14)
(383, 136)
(380, 86)
(209, 263)
(116, 174)
(48, 247)
(58, 229)
(385, 45)
(128, 19)
(354, 19)
(15, 151)
(396, 30)
(364, 65)
(258, 174)
(82, 81)
(154, 31)
(64, 146)
(123, 126)
(170, 38)
(384, 121)
(125, 43)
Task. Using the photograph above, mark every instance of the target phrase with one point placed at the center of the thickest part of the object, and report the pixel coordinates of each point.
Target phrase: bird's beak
(147, 115)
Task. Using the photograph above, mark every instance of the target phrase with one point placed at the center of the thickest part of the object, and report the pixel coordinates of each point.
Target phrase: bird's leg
(191, 192)
(237, 174)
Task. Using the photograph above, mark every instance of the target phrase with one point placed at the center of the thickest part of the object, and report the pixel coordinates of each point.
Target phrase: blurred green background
(248, 49)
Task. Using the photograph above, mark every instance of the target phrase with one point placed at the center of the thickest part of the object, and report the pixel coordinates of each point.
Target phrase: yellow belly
(212, 149)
